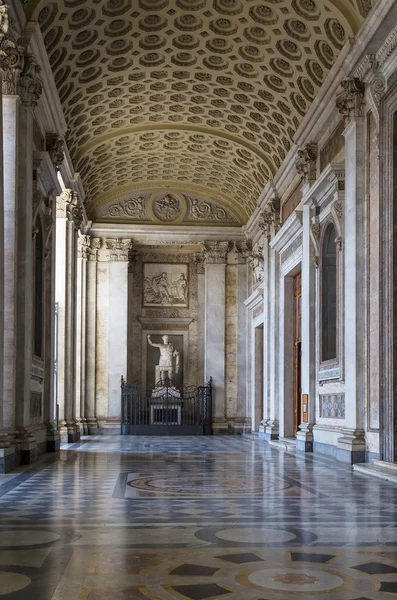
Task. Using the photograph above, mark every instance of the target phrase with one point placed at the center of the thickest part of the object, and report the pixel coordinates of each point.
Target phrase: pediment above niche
(166, 208)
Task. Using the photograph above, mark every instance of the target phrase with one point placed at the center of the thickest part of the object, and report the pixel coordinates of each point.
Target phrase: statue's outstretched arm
(151, 343)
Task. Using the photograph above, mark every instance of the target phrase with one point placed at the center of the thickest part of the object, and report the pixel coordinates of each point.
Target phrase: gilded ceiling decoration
(201, 96)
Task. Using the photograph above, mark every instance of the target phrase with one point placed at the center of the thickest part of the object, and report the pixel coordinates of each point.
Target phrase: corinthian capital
(11, 56)
(54, 146)
(350, 101)
(270, 217)
(216, 252)
(118, 249)
(69, 207)
(30, 84)
(306, 162)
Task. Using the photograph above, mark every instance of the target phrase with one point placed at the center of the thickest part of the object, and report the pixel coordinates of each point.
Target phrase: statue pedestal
(165, 406)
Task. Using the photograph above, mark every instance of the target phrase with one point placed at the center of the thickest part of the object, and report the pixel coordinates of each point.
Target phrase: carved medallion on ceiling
(204, 95)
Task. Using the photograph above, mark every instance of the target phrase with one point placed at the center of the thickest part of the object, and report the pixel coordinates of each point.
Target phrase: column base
(220, 425)
(271, 430)
(109, 426)
(28, 447)
(9, 459)
(349, 448)
(53, 438)
(262, 428)
(92, 426)
(304, 439)
(239, 425)
(69, 433)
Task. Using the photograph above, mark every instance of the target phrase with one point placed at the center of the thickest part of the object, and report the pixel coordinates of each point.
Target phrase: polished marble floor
(194, 518)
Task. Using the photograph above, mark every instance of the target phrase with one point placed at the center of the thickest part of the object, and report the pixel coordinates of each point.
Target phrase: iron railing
(164, 410)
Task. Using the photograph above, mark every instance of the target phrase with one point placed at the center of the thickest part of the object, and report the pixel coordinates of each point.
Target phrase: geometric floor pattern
(196, 519)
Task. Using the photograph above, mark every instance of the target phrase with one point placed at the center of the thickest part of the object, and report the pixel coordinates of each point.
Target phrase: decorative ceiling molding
(245, 73)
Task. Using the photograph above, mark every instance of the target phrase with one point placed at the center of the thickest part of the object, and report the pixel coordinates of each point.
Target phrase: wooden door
(297, 350)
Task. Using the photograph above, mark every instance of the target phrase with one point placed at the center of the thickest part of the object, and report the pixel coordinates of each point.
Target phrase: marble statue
(166, 364)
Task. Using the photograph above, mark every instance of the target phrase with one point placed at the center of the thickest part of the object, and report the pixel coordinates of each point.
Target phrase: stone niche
(180, 323)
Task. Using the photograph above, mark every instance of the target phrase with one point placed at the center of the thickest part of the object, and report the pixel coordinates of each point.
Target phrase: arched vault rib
(242, 72)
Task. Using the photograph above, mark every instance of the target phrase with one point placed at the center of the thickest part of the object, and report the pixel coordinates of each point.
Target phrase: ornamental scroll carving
(203, 210)
(306, 162)
(350, 101)
(118, 249)
(130, 208)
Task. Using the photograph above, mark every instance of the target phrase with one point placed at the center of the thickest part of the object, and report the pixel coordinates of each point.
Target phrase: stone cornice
(291, 229)
(255, 300)
(330, 182)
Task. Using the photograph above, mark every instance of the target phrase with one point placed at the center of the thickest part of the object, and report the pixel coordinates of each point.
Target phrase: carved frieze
(350, 101)
(306, 162)
(216, 252)
(118, 249)
(168, 207)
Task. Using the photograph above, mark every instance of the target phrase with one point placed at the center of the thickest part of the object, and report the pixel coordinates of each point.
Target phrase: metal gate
(164, 410)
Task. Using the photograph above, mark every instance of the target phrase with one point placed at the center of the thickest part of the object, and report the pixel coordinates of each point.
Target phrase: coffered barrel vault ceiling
(193, 96)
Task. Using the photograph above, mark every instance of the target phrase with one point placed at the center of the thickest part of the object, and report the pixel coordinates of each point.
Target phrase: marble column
(272, 426)
(118, 321)
(215, 322)
(94, 245)
(200, 318)
(5, 451)
(351, 105)
(68, 221)
(308, 365)
(266, 337)
(49, 414)
(11, 104)
(29, 89)
(242, 421)
(102, 342)
(79, 329)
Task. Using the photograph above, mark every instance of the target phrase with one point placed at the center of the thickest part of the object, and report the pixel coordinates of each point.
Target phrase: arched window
(329, 295)
(38, 290)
